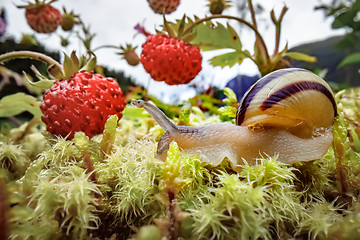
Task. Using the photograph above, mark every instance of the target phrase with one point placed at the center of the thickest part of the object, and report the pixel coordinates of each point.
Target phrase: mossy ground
(113, 187)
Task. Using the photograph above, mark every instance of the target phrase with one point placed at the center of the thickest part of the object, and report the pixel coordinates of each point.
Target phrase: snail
(288, 113)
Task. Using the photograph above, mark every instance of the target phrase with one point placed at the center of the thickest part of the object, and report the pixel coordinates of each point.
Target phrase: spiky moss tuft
(62, 204)
(131, 174)
(255, 203)
(13, 159)
(320, 216)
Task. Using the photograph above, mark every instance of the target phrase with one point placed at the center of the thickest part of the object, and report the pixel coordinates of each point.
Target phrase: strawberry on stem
(42, 17)
(163, 6)
(82, 102)
(78, 100)
(170, 59)
(129, 54)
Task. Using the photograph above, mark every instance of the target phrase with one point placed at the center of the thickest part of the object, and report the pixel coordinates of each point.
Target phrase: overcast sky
(113, 21)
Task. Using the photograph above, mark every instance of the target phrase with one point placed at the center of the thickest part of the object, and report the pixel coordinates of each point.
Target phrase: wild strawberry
(81, 103)
(69, 19)
(170, 59)
(164, 6)
(42, 17)
(218, 6)
(129, 54)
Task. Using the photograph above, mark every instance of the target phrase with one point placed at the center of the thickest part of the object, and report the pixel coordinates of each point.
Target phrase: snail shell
(288, 113)
(293, 98)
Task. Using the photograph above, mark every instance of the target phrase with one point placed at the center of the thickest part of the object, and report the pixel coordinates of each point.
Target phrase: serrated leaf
(350, 59)
(229, 59)
(301, 57)
(211, 36)
(17, 103)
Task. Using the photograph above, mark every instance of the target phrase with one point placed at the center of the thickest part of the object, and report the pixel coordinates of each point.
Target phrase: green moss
(112, 186)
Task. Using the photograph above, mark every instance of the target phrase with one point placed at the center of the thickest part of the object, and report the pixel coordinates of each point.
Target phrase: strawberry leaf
(229, 59)
(17, 103)
(350, 59)
(210, 36)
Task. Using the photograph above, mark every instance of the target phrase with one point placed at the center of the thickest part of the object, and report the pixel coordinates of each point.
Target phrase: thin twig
(252, 12)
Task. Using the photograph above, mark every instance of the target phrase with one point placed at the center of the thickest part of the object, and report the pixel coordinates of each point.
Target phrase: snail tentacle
(164, 122)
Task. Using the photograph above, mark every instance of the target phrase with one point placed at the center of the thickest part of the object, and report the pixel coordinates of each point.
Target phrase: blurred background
(308, 26)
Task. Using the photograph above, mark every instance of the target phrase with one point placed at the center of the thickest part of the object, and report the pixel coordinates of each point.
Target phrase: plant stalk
(277, 23)
(32, 55)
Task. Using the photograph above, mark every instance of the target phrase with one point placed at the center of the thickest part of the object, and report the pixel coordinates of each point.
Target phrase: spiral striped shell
(294, 99)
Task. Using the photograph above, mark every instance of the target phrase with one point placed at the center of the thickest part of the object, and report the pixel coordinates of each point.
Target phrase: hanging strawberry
(75, 99)
(170, 58)
(163, 6)
(42, 17)
(80, 100)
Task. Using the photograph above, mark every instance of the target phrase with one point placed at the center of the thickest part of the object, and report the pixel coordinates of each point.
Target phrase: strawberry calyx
(177, 30)
(35, 5)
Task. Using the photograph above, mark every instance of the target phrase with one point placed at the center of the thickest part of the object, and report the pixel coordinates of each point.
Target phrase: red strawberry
(42, 17)
(170, 59)
(164, 6)
(81, 103)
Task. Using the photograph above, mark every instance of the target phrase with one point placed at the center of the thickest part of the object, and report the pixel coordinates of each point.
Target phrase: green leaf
(210, 36)
(17, 103)
(350, 59)
(301, 57)
(344, 19)
(229, 59)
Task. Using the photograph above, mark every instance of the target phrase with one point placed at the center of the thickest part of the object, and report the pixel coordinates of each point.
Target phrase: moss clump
(112, 186)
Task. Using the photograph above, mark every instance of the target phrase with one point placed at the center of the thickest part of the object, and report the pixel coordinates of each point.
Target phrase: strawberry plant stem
(252, 13)
(241, 20)
(277, 22)
(106, 46)
(32, 55)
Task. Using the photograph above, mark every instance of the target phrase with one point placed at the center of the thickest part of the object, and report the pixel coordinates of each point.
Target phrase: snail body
(288, 113)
